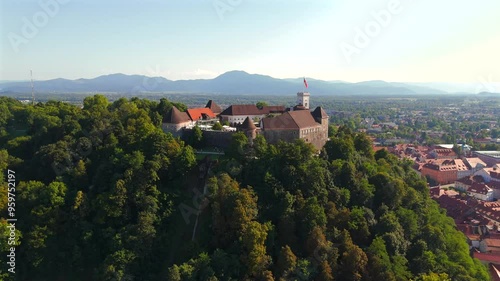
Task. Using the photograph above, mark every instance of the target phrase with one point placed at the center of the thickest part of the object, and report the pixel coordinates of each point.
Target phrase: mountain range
(232, 82)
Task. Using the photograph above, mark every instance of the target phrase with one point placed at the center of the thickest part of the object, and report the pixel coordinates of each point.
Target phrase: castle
(275, 123)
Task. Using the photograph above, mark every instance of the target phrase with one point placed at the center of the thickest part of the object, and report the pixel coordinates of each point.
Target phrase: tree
(325, 272)
(379, 262)
(363, 145)
(238, 148)
(217, 126)
(196, 139)
(433, 277)
(261, 104)
(287, 261)
(353, 261)
(311, 215)
(233, 208)
(339, 148)
(254, 250)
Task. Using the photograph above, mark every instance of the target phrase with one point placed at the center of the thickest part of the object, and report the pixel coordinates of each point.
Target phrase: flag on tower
(305, 82)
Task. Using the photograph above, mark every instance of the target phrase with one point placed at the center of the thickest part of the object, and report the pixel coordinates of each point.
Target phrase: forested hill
(103, 194)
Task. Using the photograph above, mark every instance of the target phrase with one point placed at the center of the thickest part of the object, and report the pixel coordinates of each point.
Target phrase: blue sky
(412, 41)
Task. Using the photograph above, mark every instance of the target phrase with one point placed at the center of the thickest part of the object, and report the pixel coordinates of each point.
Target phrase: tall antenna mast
(32, 89)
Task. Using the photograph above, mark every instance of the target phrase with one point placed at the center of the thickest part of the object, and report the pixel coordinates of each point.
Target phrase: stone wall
(273, 136)
(218, 139)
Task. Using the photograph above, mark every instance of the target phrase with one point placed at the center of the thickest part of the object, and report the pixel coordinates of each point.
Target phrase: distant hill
(232, 82)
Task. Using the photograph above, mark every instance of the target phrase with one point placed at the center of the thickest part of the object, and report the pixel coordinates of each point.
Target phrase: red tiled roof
(299, 107)
(248, 125)
(242, 109)
(303, 119)
(492, 242)
(479, 188)
(461, 165)
(494, 184)
(465, 180)
(487, 257)
(197, 113)
(473, 162)
(274, 109)
(290, 120)
(444, 151)
(435, 191)
(251, 109)
(282, 122)
(213, 106)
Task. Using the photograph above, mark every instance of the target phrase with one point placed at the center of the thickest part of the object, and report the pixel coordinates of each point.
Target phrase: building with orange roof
(441, 171)
(197, 114)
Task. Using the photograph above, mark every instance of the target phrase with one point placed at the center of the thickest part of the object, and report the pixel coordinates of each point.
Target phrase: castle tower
(249, 129)
(303, 99)
(321, 117)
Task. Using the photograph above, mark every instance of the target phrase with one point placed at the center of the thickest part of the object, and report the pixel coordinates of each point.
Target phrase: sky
(391, 40)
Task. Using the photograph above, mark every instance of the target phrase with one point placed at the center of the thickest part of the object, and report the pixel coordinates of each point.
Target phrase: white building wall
(240, 118)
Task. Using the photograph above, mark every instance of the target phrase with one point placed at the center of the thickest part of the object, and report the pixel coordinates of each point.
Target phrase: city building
(489, 157)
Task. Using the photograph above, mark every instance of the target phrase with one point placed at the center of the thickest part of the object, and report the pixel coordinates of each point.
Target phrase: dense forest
(104, 194)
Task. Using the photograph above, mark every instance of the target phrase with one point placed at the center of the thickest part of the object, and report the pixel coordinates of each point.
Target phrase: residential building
(442, 171)
(480, 191)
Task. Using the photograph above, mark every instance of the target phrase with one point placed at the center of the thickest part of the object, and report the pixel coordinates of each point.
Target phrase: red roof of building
(198, 113)
(494, 184)
(213, 106)
(290, 120)
(465, 180)
(479, 188)
(492, 242)
(248, 125)
(252, 109)
(487, 257)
